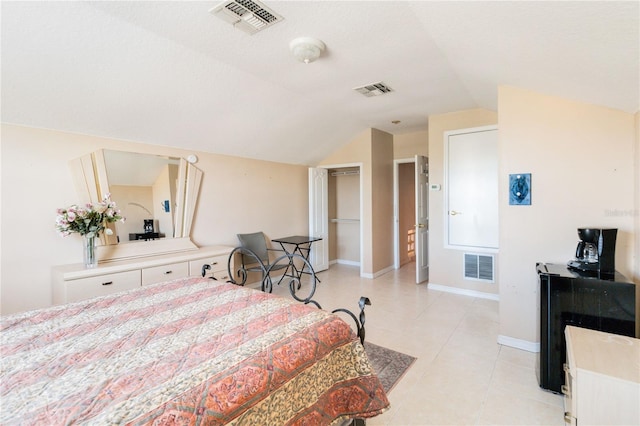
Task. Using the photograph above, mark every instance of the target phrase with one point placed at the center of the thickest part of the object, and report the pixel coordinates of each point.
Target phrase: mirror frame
(91, 181)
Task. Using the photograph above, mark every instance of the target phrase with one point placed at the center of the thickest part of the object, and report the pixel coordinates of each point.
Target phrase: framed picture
(520, 189)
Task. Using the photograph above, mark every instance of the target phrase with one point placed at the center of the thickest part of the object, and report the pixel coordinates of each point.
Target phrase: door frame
(342, 166)
(396, 208)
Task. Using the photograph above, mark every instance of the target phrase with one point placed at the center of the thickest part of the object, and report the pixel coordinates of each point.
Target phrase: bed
(188, 351)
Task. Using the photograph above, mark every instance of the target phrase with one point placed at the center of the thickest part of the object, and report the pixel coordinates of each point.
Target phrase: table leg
(304, 252)
(290, 265)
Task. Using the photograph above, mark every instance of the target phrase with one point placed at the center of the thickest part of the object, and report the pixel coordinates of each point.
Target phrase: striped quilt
(186, 352)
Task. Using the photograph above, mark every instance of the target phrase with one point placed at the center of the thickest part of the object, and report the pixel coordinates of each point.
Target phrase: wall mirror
(156, 194)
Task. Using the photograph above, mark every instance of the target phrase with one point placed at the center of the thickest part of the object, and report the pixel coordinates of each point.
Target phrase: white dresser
(72, 283)
(602, 378)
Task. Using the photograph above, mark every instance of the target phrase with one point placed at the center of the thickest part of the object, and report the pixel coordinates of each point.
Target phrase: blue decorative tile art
(520, 189)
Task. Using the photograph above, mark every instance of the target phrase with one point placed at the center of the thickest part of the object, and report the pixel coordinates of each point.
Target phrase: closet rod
(345, 220)
(346, 173)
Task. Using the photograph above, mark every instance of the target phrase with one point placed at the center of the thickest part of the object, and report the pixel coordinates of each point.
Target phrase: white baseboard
(377, 274)
(464, 291)
(347, 262)
(525, 345)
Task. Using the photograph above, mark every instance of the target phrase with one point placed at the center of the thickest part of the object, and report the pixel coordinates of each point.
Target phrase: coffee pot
(595, 251)
(590, 253)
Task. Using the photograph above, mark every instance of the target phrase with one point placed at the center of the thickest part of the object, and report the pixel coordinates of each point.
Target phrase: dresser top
(605, 353)
(78, 270)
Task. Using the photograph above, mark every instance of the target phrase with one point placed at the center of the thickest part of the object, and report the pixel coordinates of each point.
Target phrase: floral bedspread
(185, 352)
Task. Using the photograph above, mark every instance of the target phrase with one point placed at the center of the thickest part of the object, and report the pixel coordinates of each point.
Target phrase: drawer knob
(168, 272)
(108, 283)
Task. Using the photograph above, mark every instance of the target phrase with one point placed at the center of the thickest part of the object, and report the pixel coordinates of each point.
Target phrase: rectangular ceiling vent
(247, 15)
(374, 89)
(478, 267)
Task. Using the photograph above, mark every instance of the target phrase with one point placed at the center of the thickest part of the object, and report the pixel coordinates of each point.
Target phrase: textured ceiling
(170, 73)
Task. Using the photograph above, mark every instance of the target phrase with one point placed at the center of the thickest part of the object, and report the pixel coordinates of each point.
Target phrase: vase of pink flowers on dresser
(90, 221)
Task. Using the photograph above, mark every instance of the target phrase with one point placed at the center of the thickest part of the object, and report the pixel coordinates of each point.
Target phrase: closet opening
(344, 205)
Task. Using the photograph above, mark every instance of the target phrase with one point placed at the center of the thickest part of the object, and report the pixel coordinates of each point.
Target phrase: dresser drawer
(74, 282)
(218, 266)
(167, 272)
(103, 285)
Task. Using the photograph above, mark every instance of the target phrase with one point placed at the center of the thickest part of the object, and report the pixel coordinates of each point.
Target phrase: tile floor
(462, 375)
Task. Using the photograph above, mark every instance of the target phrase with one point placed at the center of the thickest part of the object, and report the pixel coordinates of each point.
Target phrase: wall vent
(373, 89)
(249, 16)
(478, 267)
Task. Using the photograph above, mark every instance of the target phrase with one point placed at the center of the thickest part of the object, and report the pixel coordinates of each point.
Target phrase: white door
(472, 188)
(422, 218)
(319, 218)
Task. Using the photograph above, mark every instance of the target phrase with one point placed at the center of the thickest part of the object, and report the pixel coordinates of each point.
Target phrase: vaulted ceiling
(171, 73)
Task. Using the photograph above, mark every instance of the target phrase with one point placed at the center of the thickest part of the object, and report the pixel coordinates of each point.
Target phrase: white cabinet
(72, 283)
(602, 384)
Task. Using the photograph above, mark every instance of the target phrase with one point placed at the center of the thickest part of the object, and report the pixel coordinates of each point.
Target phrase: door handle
(453, 213)
(420, 225)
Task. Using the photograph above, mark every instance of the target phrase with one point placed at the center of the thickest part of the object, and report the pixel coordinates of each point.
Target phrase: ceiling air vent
(246, 15)
(374, 89)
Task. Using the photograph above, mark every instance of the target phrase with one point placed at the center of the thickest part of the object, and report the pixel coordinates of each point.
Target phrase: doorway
(406, 235)
(335, 213)
(411, 219)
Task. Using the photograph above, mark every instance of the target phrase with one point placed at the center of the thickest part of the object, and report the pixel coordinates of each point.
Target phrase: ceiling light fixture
(306, 49)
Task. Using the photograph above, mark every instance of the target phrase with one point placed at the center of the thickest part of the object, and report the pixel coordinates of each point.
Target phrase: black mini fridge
(569, 298)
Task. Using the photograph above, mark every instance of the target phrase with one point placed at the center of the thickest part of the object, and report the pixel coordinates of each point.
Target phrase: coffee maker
(148, 226)
(596, 251)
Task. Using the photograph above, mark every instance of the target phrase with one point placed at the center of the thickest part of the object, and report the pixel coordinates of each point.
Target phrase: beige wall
(237, 196)
(581, 158)
(410, 144)
(382, 200)
(445, 265)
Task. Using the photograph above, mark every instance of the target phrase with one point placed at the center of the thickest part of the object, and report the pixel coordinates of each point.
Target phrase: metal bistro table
(302, 246)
